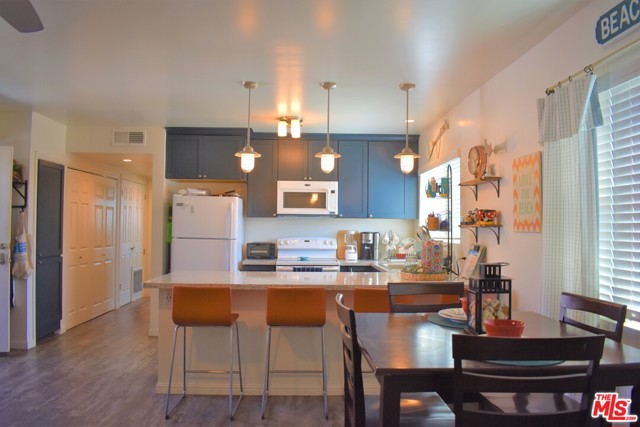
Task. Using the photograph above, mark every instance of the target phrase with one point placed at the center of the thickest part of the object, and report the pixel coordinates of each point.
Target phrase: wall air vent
(128, 137)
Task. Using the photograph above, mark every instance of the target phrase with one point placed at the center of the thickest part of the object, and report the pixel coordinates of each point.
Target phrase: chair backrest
(354, 409)
(540, 379)
(201, 306)
(371, 300)
(296, 306)
(616, 312)
(400, 289)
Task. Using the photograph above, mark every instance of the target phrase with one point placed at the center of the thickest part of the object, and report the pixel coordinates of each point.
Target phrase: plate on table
(455, 314)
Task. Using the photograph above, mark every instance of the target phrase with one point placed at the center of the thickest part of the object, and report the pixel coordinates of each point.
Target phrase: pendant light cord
(406, 123)
(328, 106)
(249, 121)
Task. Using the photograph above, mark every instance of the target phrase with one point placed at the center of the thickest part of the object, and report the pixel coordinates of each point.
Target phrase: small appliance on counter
(350, 253)
(369, 244)
(261, 250)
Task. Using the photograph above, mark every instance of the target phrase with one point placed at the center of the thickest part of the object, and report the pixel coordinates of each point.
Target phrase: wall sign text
(617, 20)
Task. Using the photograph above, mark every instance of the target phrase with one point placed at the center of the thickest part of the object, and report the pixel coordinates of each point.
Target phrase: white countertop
(252, 280)
(258, 280)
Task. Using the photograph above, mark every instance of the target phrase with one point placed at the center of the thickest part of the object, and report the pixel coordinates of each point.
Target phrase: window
(438, 204)
(618, 159)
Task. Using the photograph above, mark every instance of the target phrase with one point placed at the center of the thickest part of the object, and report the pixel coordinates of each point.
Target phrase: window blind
(618, 159)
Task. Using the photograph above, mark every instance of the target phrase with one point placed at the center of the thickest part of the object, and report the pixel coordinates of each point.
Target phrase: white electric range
(303, 254)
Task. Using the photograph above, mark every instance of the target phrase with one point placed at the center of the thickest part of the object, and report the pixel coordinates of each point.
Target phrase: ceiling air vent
(128, 137)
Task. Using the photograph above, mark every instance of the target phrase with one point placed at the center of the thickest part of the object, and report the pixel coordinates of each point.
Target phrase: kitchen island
(291, 348)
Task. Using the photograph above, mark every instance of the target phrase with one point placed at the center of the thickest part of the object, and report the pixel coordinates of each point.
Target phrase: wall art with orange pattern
(527, 193)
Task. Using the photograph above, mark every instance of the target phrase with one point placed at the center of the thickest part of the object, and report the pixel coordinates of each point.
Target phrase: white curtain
(569, 192)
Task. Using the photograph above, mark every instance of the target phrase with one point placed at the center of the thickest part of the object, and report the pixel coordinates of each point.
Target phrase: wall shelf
(22, 189)
(473, 184)
(495, 229)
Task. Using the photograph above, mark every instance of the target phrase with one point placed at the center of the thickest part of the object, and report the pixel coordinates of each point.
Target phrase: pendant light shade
(248, 156)
(327, 155)
(407, 155)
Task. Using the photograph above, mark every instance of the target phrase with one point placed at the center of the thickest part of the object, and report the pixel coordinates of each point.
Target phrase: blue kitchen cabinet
(297, 161)
(193, 156)
(391, 194)
(262, 181)
(352, 179)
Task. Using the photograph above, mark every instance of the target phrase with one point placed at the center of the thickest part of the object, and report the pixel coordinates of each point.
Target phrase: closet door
(103, 248)
(131, 213)
(78, 236)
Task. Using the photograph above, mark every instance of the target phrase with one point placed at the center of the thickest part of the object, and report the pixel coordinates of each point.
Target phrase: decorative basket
(422, 277)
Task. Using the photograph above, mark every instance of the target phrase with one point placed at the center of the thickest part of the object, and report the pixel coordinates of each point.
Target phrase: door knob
(3, 246)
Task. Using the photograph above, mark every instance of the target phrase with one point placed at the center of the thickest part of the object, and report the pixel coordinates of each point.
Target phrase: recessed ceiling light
(127, 160)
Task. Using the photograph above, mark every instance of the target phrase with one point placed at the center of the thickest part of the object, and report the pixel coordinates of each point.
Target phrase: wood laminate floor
(103, 373)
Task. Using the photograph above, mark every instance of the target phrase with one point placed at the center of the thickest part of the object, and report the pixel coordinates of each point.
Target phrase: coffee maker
(369, 244)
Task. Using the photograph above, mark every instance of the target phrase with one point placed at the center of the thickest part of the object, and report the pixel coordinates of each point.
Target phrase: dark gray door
(49, 248)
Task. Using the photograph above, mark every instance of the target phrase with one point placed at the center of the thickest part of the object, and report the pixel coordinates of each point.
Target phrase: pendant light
(248, 156)
(407, 155)
(327, 155)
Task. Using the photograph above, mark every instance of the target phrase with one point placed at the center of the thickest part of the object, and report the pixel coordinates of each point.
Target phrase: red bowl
(463, 302)
(503, 327)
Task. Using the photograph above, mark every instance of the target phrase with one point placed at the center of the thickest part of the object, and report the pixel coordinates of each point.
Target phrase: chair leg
(232, 409)
(324, 378)
(265, 384)
(173, 354)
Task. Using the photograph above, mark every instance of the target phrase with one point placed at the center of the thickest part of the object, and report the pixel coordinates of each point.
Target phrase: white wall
(504, 110)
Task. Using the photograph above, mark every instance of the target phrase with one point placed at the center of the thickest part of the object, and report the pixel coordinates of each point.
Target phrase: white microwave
(307, 198)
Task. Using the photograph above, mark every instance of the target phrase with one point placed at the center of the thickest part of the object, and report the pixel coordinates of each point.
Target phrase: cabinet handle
(204, 176)
(199, 176)
(310, 177)
(370, 215)
(274, 214)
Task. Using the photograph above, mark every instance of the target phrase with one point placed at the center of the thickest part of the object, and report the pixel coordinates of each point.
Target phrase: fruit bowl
(503, 327)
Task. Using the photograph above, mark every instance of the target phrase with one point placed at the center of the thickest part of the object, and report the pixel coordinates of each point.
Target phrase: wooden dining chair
(615, 312)
(519, 384)
(416, 409)
(398, 290)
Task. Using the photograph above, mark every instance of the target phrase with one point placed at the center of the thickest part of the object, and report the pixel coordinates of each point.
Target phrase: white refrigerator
(207, 233)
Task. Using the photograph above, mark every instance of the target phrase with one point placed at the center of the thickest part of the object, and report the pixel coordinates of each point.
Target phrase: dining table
(408, 352)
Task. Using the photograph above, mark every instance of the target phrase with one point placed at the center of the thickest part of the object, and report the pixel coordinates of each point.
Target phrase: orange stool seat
(295, 307)
(203, 306)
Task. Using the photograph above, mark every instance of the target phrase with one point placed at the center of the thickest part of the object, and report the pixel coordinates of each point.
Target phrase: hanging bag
(22, 264)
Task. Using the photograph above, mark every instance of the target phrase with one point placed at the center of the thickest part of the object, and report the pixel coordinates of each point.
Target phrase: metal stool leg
(173, 354)
(232, 409)
(265, 384)
(324, 378)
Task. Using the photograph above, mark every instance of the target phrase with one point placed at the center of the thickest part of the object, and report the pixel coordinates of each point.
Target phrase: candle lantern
(489, 296)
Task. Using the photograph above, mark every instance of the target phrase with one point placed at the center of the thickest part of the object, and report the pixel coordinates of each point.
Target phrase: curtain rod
(589, 68)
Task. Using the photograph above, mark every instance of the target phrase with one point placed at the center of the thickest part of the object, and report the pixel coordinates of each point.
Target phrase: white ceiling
(181, 62)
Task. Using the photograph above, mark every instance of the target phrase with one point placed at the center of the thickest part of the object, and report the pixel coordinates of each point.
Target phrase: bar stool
(295, 307)
(371, 300)
(202, 306)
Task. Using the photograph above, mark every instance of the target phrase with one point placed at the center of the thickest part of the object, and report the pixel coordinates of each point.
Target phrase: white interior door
(6, 173)
(103, 270)
(131, 226)
(77, 241)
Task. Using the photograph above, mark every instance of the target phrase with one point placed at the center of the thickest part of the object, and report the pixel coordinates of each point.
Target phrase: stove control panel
(321, 243)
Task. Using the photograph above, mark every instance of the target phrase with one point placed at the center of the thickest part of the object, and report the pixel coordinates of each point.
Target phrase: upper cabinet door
(292, 160)
(352, 183)
(297, 161)
(217, 158)
(392, 194)
(182, 157)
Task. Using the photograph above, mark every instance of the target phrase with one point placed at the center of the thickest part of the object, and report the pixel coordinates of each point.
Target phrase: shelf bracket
(23, 194)
(496, 185)
(474, 229)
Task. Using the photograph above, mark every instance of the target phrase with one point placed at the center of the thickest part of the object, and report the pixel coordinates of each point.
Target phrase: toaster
(261, 250)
